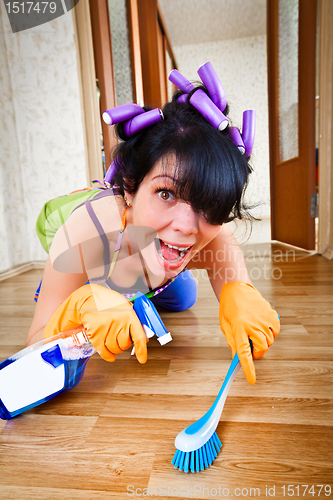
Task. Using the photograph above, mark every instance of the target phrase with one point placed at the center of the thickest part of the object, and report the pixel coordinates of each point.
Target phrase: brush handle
(199, 433)
(219, 402)
(217, 407)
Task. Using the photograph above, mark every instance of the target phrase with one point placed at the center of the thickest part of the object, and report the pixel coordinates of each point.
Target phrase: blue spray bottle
(54, 365)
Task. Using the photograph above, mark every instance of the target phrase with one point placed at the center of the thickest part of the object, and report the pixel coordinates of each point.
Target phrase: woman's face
(181, 232)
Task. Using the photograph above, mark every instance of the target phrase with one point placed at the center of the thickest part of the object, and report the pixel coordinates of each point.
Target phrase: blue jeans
(179, 296)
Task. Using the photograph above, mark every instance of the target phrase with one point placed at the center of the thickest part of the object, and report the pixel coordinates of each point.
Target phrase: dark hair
(211, 173)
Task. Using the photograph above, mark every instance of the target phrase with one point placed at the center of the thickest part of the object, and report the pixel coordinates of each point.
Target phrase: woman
(177, 183)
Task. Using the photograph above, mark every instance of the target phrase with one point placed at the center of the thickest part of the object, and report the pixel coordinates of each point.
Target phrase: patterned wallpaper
(41, 134)
(242, 67)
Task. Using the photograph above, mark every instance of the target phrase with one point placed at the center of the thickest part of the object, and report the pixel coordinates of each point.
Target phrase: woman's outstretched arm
(65, 269)
(223, 259)
(55, 289)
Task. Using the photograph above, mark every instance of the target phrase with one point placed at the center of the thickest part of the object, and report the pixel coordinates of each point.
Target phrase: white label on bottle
(30, 379)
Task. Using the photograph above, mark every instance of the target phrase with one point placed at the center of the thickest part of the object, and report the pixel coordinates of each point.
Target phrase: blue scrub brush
(198, 445)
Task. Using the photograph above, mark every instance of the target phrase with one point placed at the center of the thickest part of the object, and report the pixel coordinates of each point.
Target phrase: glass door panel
(288, 79)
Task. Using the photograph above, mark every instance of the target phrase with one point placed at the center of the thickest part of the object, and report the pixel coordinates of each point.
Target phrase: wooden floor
(113, 435)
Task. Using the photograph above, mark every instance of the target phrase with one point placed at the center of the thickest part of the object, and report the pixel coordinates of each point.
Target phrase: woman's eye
(165, 195)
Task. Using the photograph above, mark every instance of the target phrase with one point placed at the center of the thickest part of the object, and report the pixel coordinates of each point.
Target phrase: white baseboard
(23, 268)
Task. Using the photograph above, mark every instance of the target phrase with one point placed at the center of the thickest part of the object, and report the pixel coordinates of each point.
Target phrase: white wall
(241, 65)
(41, 135)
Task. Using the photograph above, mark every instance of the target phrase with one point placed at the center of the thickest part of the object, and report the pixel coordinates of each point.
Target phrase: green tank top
(55, 212)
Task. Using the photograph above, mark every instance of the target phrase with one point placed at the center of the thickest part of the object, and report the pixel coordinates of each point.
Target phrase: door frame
(325, 232)
(102, 46)
(150, 34)
(88, 95)
(282, 213)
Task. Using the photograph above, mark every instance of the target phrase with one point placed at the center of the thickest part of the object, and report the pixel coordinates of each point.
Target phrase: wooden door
(101, 32)
(291, 43)
(156, 52)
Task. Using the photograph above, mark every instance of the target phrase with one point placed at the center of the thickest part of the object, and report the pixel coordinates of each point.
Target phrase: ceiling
(191, 22)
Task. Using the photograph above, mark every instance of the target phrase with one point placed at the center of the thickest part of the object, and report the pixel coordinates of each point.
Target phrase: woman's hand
(245, 314)
(111, 323)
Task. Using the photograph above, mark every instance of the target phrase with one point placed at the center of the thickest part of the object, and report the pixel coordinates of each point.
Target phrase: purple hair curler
(121, 113)
(180, 81)
(237, 138)
(182, 98)
(248, 130)
(214, 86)
(142, 121)
(110, 173)
(207, 108)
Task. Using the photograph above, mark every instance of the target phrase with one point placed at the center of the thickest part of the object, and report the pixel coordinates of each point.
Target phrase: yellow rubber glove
(109, 319)
(245, 314)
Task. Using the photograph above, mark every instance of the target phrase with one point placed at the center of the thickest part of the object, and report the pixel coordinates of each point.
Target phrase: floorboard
(113, 435)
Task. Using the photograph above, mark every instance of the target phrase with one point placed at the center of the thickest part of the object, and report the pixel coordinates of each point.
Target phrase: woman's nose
(185, 219)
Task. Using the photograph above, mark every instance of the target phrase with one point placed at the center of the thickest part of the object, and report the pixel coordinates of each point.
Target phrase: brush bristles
(199, 459)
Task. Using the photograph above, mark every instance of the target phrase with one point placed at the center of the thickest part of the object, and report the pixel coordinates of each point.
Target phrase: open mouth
(171, 254)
